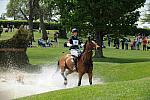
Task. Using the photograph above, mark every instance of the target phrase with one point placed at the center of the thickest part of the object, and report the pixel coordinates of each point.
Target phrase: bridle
(92, 45)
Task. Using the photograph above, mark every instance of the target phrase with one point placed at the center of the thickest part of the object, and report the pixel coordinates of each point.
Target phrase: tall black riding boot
(75, 62)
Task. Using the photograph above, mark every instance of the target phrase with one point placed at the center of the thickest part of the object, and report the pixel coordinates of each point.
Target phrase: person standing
(123, 43)
(117, 43)
(109, 40)
(138, 43)
(1, 30)
(126, 44)
(56, 38)
(144, 41)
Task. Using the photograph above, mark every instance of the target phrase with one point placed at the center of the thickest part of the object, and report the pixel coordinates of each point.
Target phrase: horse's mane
(85, 57)
(85, 46)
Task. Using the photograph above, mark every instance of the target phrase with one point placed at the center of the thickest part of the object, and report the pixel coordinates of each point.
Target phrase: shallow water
(47, 79)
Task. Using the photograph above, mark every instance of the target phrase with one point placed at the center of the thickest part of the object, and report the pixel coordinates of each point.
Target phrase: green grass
(120, 65)
(44, 55)
(126, 74)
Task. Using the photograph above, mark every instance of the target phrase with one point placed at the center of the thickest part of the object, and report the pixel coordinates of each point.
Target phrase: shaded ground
(44, 80)
(122, 60)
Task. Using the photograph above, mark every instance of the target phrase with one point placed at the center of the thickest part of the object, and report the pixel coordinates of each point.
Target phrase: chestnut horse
(84, 63)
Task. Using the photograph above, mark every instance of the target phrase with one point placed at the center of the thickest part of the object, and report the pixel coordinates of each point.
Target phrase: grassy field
(126, 75)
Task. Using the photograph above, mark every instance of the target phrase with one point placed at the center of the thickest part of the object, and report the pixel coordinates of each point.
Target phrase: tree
(147, 14)
(97, 14)
(24, 7)
(3, 15)
(125, 24)
(13, 8)
(31, 10)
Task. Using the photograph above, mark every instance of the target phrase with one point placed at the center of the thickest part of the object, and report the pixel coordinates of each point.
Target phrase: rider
(74, 43)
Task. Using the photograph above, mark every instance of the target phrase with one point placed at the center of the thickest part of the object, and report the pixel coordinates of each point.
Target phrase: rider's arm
(81, 43)
(69, 43)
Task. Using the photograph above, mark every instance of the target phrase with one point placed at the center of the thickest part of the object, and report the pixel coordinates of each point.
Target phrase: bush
(18, 23)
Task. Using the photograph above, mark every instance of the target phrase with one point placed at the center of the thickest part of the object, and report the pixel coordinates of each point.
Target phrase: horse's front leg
(80, 78)
(90, 78)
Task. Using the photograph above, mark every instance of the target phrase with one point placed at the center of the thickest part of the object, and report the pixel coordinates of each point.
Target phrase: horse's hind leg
(90, 78)
(65, 79)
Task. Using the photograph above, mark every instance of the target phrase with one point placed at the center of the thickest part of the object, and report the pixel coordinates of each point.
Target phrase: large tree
(30, 10)
(13, 8)
(99, 14)
(26, 8)
(124, 25)
(147, 14)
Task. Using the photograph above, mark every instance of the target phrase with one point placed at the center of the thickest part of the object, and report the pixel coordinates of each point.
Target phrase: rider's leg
(75, 63)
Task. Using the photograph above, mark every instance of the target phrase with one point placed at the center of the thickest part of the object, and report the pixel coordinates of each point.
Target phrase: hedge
(17, 23)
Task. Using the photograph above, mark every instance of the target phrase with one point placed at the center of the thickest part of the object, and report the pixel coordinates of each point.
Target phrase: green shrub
(18, 23)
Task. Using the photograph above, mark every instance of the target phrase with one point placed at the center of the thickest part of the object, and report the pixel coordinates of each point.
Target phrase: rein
(90, 50)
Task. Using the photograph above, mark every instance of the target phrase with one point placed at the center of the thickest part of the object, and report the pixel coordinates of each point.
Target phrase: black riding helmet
(74, 30)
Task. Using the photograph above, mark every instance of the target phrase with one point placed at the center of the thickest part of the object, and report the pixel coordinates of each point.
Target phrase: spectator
(144, 41)
(123, 43)
(1, 30)
(11, 27)
(48, 42)
(126, 44)
(138, 43)
(133, 45)
(42, 43)
(117, 43)
(109, 39)
(56, 38)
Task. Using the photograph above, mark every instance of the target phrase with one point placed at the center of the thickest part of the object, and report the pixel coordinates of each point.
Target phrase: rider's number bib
(75, 42)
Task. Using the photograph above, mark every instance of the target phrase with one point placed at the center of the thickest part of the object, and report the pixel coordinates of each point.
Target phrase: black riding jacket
(74, 40)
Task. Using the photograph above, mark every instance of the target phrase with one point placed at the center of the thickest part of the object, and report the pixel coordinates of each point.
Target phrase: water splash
(36, 82)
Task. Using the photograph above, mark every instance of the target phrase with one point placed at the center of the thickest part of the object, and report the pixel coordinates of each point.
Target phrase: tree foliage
(13, 8)
(147, 14)
(31, 10)
(99, 15)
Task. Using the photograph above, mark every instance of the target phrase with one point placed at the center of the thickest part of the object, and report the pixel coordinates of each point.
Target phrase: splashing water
(19, 83)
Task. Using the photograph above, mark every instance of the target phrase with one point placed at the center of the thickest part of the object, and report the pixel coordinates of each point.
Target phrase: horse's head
(90, 45)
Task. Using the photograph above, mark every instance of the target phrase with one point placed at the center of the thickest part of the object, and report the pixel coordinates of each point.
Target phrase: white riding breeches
(75, 52)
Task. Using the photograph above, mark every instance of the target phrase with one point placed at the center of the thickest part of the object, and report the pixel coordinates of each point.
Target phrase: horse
(84, 63)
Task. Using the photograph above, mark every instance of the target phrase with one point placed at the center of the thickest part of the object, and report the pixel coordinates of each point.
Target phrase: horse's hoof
(91, 83)
(79, 84)
(65, 83)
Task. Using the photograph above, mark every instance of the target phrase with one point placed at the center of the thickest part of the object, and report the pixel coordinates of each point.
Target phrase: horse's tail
(57, 66)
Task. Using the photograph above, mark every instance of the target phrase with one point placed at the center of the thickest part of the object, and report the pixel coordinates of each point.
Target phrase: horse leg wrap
(65, 82)
(65, 79)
